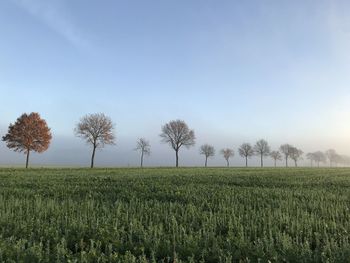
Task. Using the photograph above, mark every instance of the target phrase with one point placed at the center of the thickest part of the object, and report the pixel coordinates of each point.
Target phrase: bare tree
(331, 156)
(286, 151)
(227, 153)
(29, 133)
(311, 157)
(345, 160)
(319, 157)
(276, 156)
(144, 147)
(262, 148)
(97, 130)
(338, 160)
(208, 151)
(176, 133)
(295, 155)
(246, 151)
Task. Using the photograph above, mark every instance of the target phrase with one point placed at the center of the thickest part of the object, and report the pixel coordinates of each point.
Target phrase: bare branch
(262, 149)
(176, 134)
(207, 150)
(144, 147)
(96, 129)
(227, 153)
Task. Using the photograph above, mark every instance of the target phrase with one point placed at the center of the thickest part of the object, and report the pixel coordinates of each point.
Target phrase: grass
(168, 215)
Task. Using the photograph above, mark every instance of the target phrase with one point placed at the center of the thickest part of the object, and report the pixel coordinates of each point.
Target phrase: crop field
(175, 215)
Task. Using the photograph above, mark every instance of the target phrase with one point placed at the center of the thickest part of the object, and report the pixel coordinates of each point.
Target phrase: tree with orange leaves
(28, 133)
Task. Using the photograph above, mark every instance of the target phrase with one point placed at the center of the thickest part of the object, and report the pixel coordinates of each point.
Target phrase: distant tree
(97, 130)
(319, 157)
(29, 133)
(276, 156)
(286, 151)
(344, 160)
(227, 153)
(177, 134)
(246, 151)
(338, 160)
(311, 157)
(208, 151)
(144, 147)
(295, 155)
(331, 156)
(262, 149)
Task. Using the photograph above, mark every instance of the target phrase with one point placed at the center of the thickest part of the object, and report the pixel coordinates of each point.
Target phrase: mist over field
(71, 151)
(235, 72)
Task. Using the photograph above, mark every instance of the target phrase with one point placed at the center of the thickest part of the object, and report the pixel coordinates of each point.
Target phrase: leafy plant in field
(167, 215)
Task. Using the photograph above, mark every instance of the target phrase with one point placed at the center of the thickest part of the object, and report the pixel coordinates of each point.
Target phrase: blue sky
(235, 71)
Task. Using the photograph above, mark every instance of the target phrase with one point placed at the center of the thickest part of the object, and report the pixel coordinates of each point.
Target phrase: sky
(235, 71)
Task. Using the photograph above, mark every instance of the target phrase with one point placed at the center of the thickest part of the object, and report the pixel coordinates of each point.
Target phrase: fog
(70, 151)
(234, 71)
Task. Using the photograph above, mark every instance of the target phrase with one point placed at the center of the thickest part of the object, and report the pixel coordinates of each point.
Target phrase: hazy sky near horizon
(235, 71)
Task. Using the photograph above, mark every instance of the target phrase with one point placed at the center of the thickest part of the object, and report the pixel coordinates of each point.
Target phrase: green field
(174, 215)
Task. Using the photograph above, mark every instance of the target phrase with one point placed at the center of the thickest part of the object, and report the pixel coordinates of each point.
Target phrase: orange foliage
(29, 133)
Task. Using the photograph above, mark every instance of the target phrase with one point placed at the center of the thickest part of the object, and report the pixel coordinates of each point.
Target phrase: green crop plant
(175, 215)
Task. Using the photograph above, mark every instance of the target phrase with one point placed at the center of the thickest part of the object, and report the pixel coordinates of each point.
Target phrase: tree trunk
(177, 157)
(275, 163)
(93, 156)
(286, 161)
(141, 159)
(206, 161)
(295, 162)
(246, 161)
(228, 163)
(261, 161)
(27, 160)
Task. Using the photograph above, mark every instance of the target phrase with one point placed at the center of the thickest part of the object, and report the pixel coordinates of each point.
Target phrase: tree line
(30, 133)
